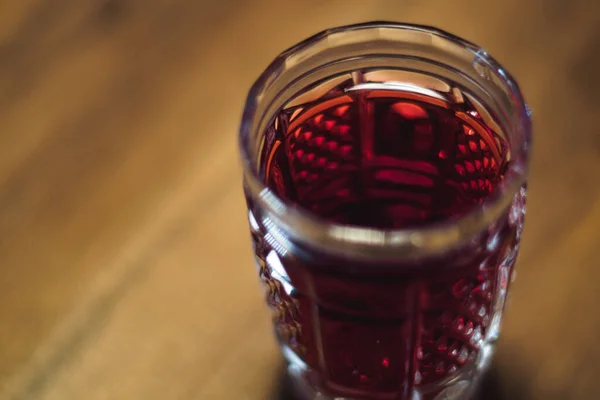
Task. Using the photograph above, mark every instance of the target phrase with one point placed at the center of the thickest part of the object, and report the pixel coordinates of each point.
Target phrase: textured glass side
(409, 335)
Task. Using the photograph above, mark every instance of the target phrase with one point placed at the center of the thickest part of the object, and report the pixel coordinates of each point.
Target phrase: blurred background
(125, 260)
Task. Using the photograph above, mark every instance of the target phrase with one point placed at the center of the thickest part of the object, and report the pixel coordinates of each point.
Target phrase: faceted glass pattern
(360, 332)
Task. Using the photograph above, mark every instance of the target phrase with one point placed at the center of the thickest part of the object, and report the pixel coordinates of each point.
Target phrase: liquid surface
(392, 154)
(386, 149)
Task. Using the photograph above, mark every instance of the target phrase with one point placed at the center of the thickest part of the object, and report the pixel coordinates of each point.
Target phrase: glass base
(462, 385)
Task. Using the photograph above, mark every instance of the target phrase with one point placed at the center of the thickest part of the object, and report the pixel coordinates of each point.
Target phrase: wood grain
(125, 259)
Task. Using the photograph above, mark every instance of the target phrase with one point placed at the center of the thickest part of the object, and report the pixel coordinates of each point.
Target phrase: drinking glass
(386, 302)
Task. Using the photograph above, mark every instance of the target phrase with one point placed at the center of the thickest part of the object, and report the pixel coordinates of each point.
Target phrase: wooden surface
(124, 253)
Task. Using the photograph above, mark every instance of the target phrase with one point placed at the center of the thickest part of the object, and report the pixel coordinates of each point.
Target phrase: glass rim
(286, 221)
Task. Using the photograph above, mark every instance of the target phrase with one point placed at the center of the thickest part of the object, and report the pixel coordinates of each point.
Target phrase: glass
(384, 172)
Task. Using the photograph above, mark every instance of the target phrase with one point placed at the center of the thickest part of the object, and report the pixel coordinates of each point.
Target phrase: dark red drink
(357, 151)
(383, 155)
(383, 233)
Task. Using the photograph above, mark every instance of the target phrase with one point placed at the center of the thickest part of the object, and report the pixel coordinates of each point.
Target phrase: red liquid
(361, 150)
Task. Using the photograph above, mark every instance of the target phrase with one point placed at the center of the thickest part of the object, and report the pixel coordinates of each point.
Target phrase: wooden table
(124, 250)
